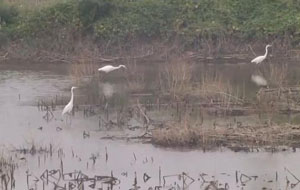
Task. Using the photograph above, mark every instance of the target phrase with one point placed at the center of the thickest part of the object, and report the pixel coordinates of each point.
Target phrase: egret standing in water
(260, 59)
(110, 68)
(69, 107)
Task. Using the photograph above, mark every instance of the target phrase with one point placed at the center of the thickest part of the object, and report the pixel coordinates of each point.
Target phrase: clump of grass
(175, 79)
(277, 74)
(7, 171)
(135, 79)
(279, 97)
(84, 65)
(215, 88)
(177, 134)
(187, 132)
(82, 69)
(246, 136)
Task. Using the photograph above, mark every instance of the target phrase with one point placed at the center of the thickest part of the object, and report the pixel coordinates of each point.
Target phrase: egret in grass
(110, 68)
(260, 59)
(68, 108)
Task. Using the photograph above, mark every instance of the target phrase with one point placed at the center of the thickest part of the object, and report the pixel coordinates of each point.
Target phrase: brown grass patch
(243, 136)
(135, 79)
(215, 88)
(176, 77)
(277, 74)
(84, 65)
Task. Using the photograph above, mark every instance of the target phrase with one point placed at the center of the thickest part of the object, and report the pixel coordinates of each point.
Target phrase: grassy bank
(62, 24)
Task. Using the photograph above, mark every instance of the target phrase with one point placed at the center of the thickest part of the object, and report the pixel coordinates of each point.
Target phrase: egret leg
(68, 119)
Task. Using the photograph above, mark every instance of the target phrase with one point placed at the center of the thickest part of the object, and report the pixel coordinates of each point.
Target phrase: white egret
(110, 68)
(260, 59)
(68, 108)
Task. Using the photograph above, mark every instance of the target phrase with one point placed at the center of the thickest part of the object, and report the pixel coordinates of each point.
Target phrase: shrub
(188, 20)
(8, 14)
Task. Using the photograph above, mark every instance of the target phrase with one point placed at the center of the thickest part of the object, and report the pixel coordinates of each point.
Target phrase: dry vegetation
(176, 80)
(215, 88)
(135, 79)
(212, 94)
(84, 66)
(240, 136)
(277, 74)
(175, 77)
(7, 172)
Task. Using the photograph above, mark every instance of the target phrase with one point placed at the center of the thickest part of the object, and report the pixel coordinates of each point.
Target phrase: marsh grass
(179, 133)
(278, 97)
(245, 136)
(216, 88)
(83, 69)
(34, 148)
(135, 79)
(84, 65)
(278, 74)
(175, 78)
(7, 172)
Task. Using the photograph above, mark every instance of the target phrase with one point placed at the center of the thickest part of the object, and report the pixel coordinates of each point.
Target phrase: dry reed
(176, 77)
(277, 74)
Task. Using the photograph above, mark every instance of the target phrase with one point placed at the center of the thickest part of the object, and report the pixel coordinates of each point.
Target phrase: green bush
(49, 20)
(8, 14)
(92, 10)
(161, 19)
(148, 18)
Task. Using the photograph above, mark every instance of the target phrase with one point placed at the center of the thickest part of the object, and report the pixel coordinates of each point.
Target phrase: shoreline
(144, 52)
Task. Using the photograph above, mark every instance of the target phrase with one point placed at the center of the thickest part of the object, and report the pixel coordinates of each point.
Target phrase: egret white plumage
(110, 68)
(68, 108)
(260, 59)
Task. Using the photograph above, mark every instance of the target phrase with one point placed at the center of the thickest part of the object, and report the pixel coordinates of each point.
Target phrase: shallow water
(22, 124)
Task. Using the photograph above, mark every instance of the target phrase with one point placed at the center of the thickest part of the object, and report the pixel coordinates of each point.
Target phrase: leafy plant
(126, 20)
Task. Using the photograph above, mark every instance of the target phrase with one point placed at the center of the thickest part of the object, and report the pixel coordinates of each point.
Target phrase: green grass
(126, 20)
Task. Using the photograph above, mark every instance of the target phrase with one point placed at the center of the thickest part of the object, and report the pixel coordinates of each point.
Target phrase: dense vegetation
(124, 20)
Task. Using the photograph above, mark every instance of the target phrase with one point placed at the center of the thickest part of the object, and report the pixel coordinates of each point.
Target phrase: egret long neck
(266, 52)
(72, 96)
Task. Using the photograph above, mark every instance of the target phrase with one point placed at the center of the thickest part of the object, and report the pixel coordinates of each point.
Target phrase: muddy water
(132, 164)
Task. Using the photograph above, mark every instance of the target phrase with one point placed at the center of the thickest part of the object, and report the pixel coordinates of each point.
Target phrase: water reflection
(259, 80)
(107, 88)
